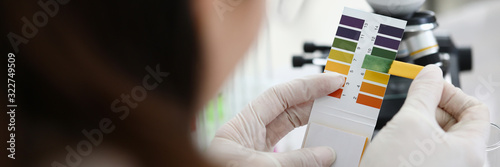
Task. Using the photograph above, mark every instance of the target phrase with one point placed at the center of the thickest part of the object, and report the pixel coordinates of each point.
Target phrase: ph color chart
(365, 44)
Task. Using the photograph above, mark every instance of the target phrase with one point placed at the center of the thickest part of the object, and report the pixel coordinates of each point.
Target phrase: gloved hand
(438, 125)
(249, 138)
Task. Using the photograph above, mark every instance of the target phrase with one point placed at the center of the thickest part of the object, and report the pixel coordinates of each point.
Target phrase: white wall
(476, 25)
(444, 6)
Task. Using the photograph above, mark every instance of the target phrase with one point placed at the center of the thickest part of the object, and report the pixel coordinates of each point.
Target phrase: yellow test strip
(405, 70)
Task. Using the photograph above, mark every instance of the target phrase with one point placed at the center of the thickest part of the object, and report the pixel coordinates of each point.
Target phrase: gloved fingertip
(337, 80)
(341, 81)
(430, 71)
(325, 155)
(425, 91)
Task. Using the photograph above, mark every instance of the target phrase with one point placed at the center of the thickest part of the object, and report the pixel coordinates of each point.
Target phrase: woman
(119, 83)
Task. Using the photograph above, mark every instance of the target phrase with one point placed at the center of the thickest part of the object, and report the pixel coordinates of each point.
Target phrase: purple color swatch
(348, 33)
(351, 21)
(386, 42)
(391, 31)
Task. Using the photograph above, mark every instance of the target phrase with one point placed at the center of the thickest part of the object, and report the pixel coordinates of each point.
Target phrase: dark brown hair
(88, 55)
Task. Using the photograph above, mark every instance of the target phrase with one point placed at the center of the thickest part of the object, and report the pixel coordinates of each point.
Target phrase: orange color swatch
(337, 67)
(369, 101)
(373, 89)
(337, 94)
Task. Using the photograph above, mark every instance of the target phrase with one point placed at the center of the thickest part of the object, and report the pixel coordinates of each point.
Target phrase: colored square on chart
(341, 56)
(351, 21)
(344, 44)
(376, 51)
(369, 101)
(373, 89)
(348, 33)
(337, 94)
(387, 42)
(377, 77)
(337, 67)
(391, 31)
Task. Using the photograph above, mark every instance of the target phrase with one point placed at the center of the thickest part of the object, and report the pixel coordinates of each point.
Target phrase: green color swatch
(376, 63)
(344, 44)
(384, 53)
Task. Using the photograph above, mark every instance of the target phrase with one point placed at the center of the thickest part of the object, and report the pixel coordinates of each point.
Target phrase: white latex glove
(438, 125)
(249, 138)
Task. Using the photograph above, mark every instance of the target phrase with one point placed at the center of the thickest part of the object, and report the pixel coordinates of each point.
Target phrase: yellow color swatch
(405, 70)
(377, 77)
(341, 56)
(337, 67)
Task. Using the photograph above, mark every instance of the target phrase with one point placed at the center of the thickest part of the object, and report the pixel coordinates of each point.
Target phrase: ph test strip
(384, 65)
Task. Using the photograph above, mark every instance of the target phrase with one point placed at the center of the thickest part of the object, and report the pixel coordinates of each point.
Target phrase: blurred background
(290, 23)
